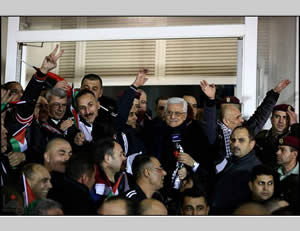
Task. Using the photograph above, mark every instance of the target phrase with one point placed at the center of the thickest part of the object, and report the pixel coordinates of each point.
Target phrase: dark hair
(250, 131)
(79, 164)
(92, 77)
(42, 206)
(193, 192)
(161, 98)
(102, 147)
(262, 170)
(84, 92)
(139, 163)
(131, 206)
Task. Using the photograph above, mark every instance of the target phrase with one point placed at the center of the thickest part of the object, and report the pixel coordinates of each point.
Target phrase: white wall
(277, 51)
(4, 22)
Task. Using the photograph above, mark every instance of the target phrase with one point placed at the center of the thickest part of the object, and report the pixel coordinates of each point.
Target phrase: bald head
(58, 152)
(251, 209)
(38, 179)
(231, 116)
(152, 207)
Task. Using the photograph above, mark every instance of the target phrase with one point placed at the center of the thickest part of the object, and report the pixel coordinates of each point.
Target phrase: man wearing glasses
(194, 137)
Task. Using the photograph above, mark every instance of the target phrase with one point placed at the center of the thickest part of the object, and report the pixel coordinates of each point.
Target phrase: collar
(295, 171)
(55, 121)
(85, 122)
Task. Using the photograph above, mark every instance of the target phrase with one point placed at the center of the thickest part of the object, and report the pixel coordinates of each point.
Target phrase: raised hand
(141, 78)
(281, 85)
(49, 62)
(292, 116)
(208, 89)
(6, 97)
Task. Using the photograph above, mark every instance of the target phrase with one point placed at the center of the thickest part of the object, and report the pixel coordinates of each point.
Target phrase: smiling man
(38, 179)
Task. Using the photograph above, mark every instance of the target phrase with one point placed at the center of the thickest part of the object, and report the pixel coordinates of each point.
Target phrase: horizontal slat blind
(119, 58)
(67, 61)
(212, 57)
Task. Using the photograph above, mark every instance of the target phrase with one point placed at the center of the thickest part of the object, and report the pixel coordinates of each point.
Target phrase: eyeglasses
(57, 105)
(161, 108)
(176, 113)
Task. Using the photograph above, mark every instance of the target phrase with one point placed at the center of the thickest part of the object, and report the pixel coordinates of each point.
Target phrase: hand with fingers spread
(50, 61)
(292, 116)
(79, 139)
(208, 89)
(281, 85)
(141, 78)
(185, 159)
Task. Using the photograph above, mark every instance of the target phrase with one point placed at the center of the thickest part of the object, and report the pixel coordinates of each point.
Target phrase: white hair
(177, 100)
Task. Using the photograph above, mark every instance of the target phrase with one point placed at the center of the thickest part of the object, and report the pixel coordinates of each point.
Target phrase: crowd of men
(67, 151)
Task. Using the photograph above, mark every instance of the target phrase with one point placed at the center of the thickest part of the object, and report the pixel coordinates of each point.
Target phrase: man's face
(285, 156)
(113, 208)
(279, 121)
(41, 110)
(175, 115)
(193, 103)
(88, 107)
(131, 121)
(160, 108)
(94, 86)
(157, 174)
(262, 188)
(57, 107)
(194, 206)
(143, 102)
(3, 134)
(40, 182)
(117, 158)
(57, 156)
(240, 144)
(233, 118)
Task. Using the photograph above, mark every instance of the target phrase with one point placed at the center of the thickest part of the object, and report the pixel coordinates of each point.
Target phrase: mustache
(235, 149)
(89, 114)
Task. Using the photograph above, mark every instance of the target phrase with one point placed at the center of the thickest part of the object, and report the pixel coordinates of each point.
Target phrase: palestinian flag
(18, 141)
(28, 194)
(114, 191)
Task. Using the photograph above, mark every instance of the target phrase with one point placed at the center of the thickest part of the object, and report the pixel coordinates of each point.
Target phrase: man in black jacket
(231, 188)
(231, 117)
(73, 191)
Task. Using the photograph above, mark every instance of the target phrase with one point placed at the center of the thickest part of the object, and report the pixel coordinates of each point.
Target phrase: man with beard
(231, 188)
(231, 117)
(95, 124)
